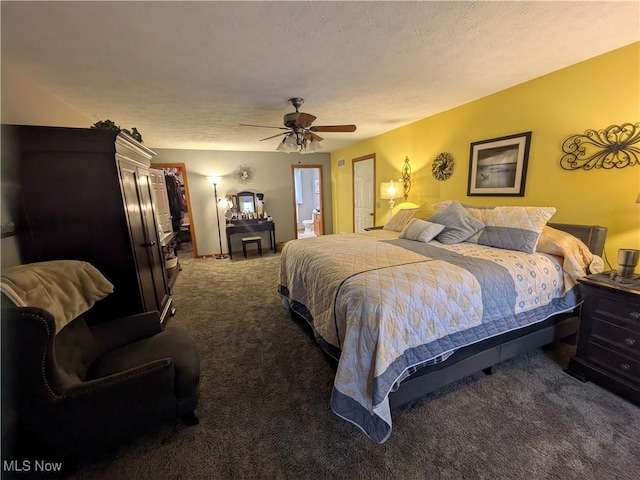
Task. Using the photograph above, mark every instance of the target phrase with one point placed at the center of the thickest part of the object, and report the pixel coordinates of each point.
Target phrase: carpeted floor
(264, 407)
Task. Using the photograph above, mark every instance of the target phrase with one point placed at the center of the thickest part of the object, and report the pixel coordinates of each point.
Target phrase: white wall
(272, 175)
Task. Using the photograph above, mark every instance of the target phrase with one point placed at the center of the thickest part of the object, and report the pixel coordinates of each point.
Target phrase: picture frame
(498, 167)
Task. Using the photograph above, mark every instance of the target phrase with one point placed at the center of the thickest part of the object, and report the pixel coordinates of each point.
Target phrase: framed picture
(498, 166)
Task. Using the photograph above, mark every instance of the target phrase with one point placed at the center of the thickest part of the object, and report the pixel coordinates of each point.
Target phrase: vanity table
(251, 226)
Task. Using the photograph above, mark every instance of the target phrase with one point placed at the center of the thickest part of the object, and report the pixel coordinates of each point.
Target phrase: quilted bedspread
(383, 305)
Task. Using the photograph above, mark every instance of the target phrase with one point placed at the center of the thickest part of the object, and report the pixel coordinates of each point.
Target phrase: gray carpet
(264, 407)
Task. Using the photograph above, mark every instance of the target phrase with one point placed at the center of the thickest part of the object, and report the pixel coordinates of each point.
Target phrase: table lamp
(390, 191)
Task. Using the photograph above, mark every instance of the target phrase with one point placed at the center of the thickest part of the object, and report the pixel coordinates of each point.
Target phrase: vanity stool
(247, 240)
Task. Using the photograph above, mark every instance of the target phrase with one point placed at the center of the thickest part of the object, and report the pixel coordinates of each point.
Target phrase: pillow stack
(402, 218)
(450, 222)
(458, 224)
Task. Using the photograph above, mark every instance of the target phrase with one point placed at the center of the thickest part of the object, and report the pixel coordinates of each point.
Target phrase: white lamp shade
(390, 190)
(214, 180)
(289, 144)
(312, 146)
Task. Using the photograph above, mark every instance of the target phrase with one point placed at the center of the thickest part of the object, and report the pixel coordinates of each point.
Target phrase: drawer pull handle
(149, 244)
(625, 367)
(635, 315)
(630, 342)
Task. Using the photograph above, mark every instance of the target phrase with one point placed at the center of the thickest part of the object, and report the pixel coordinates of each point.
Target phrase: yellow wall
(596, 93)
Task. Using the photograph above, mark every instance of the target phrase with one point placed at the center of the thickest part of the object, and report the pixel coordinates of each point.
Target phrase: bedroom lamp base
(392, 202)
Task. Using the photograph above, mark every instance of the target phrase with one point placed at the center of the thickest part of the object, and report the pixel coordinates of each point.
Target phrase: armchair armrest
(121, 331)
(155, 377)
(109, 408)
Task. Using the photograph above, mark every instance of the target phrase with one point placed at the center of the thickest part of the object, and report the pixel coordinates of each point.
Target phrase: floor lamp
(215, 181)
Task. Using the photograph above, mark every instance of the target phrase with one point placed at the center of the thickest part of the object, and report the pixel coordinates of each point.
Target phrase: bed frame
(483, 355)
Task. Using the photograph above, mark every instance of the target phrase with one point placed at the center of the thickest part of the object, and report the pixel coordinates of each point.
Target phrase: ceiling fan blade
(274, 136)
(304, 120)
(261, 126)
(333, 128)
(309, 135)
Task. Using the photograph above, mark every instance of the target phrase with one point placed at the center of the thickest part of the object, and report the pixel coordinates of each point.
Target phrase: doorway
(181, 221)
(364, 180)
(308, 203)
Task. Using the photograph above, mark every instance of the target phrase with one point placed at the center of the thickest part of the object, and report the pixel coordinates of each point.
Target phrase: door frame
(353, 187)
(192, 227)
(295, 166)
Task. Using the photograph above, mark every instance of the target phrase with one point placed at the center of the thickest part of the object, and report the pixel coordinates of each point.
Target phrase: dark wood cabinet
(608, 351)
(85, 194)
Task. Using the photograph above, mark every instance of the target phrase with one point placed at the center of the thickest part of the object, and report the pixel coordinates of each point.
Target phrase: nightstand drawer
(624, 313)
(619, 337)
(614, 362)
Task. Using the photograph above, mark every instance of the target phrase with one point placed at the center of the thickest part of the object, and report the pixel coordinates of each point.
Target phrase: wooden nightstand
(608, 350)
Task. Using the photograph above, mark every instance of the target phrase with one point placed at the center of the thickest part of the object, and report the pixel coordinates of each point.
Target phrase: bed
(403, 318)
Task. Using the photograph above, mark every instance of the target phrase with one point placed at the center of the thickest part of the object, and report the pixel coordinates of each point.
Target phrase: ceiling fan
(300, 135)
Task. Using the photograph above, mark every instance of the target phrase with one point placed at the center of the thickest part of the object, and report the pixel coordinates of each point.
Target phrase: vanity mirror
(246, 202)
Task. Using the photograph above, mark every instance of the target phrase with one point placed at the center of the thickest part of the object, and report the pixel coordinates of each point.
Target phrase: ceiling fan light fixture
(289, 144)
(301, 137)
(313, 146)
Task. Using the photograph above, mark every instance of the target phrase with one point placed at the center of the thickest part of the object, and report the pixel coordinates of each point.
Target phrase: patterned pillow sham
(399, 220)
(512, 228)
(421, 230)
(458, 224)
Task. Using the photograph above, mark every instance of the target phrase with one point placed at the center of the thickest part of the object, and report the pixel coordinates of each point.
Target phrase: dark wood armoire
(84, 194)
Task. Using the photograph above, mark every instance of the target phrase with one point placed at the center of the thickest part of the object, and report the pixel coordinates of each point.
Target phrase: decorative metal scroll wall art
(615, 146)
(406, 178)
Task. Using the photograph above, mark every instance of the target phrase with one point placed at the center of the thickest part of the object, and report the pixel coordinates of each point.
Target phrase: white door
(363, 192)
(160, 199)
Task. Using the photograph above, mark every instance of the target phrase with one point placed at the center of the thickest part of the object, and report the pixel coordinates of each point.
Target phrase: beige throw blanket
(65, 288)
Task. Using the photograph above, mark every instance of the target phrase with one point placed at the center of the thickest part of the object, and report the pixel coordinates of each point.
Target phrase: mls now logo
(29, 466)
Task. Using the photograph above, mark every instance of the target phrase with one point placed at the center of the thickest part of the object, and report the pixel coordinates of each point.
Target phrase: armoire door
(149, 221)
(137, 196)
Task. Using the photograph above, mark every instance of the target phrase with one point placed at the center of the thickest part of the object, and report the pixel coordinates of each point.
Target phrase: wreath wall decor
(243, 173)
(442, 167)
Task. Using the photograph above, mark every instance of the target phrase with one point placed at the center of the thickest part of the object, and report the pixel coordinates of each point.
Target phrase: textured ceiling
(187, 73)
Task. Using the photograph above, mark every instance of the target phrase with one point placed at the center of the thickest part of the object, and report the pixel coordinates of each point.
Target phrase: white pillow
(421, 230)
(399, 220)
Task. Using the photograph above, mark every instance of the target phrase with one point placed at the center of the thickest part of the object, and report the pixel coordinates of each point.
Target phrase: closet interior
(173, 212)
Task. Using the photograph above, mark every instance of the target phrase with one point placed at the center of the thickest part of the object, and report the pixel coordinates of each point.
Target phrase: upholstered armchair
(70, 388)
